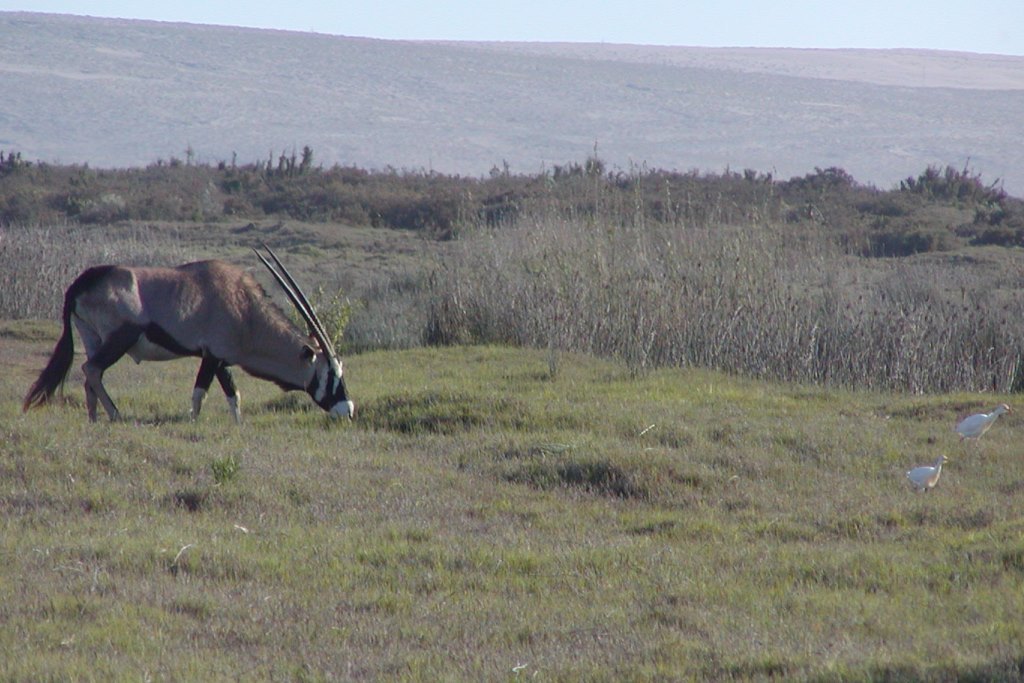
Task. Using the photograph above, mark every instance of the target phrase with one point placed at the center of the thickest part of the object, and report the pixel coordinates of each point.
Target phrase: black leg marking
(214, 367)
(207, 369)
(227, 380)
(227, 383)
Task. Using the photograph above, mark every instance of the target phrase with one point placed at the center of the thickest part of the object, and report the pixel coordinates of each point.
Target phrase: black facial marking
(314, 385)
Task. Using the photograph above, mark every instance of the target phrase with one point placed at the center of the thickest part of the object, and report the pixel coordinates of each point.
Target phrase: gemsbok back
(208, 309)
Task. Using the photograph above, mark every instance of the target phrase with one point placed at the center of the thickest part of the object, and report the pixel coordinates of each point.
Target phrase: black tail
(56, 370)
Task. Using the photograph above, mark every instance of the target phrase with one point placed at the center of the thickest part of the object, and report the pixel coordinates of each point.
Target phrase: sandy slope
(118, 93)
(908, 68)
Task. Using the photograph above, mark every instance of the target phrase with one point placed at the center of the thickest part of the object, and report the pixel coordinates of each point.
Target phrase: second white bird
(974, 426)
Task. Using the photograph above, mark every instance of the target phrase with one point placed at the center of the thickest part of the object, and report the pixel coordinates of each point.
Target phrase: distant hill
(117, 93)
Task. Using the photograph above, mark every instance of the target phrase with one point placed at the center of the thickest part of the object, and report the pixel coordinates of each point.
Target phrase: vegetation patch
(436, 412)
(225, 469)
(190, 499)
(194, 608)
(289, 402)
(29, 330)
(593, 476)
(655, 527)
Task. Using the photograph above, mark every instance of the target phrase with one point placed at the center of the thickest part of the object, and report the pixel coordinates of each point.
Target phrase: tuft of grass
(225, 469)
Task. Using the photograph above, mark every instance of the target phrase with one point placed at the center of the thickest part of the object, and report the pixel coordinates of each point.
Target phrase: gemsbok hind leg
(109, 352)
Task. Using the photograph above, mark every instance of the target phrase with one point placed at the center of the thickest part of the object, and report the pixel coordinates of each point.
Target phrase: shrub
(953, 185)
(287, 185)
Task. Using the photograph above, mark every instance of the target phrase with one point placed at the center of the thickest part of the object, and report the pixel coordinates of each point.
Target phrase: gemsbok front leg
(214, 367)
(227, 383)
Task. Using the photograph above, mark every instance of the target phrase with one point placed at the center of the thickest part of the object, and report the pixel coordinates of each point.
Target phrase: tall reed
(756, 299)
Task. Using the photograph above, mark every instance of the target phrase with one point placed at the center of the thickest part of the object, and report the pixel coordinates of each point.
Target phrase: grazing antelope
(209, 309)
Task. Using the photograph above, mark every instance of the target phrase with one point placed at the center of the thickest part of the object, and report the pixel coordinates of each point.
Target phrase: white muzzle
(344, 409)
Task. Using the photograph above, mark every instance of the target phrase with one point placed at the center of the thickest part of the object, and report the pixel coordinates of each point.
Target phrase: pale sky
(988, 26)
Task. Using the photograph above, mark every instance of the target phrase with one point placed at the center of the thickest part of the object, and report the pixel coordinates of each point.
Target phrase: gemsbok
(207, 309)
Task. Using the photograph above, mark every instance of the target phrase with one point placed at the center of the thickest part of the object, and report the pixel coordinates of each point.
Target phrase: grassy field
(482, 520)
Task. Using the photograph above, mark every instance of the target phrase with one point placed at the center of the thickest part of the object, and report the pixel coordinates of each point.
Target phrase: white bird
(925, 478)
(974, 426)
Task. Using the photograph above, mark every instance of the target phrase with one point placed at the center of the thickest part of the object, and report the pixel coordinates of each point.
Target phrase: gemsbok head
(208, 309)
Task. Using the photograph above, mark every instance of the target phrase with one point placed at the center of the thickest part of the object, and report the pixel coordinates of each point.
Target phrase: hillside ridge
(116, 93)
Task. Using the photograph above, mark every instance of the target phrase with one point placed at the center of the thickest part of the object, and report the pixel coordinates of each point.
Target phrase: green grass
(483, 521)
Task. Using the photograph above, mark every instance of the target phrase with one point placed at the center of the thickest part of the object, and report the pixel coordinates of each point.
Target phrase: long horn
(298, 299)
